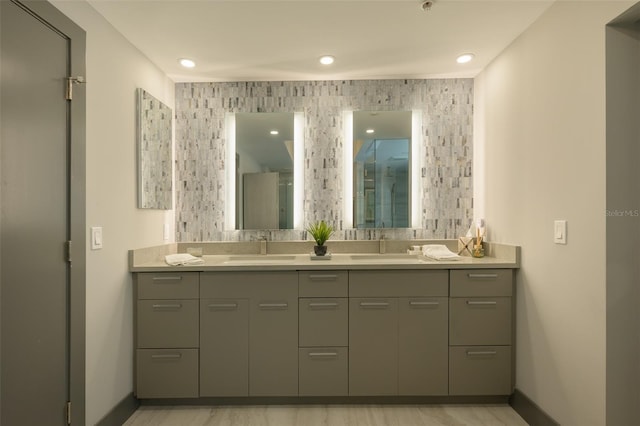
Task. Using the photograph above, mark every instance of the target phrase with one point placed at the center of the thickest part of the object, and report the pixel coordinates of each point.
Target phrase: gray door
(35, 221)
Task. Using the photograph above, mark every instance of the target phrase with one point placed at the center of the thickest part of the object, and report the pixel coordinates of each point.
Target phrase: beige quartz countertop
(153, 261)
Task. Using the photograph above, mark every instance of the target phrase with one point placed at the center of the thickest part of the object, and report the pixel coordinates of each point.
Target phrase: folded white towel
(439, 252)
(181, 259)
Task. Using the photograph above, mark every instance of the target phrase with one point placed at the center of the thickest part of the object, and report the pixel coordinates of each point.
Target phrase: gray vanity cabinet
(481, 332)
(167, 335)
(323, 340)
(257, 347)
(398, 342)
(324, 333)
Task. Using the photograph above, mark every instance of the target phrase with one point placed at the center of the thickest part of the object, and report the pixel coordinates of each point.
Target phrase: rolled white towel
(182, 259)
(439, 252)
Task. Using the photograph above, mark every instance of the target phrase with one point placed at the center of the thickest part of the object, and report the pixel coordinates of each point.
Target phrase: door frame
(76, 116)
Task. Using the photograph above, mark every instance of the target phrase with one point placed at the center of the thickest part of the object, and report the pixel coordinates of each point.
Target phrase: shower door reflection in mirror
(264, 170)
(381, 169)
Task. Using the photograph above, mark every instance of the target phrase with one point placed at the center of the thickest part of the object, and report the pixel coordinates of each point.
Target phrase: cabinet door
(224, 347)
(323, 371)
(167, 373)
(480, 370)
(167, 323)
(273, 339)
(324, 322)
(480, 321)
(423, 350)
(373, 346)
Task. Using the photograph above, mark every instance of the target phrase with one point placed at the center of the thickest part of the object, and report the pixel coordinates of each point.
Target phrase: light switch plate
(560, 232)
(96, 237)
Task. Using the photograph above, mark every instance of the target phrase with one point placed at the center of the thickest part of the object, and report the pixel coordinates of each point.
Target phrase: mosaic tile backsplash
(445, 163)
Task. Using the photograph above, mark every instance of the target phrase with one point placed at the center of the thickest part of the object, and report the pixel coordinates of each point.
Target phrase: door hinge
(70, 82)
(68, 251)
(68, 412)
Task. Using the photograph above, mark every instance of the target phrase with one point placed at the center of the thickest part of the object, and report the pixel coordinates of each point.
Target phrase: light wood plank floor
(328, 415)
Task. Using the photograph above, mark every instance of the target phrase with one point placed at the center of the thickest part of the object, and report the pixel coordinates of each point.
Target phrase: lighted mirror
(155, 169)
(382, 169)
(265, 153)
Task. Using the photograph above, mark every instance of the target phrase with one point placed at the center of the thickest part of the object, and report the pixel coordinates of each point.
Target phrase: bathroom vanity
(354, 327)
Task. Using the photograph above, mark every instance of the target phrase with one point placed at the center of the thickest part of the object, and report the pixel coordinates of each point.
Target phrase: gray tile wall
(445, 163)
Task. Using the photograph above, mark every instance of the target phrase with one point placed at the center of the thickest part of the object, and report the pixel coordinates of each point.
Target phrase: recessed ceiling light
(187, 63)
(327, 60)
(465, 57)
(370, 130)
(274, 132)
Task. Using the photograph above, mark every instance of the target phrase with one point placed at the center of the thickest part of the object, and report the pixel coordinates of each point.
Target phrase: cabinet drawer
(323, 322)
(480, 321)
(481, 282)
(398, 283)
(323, 371)
(167, 323)
(171, 373)
(323, 283)
(168, 285)
(480, 370)
(248, 285)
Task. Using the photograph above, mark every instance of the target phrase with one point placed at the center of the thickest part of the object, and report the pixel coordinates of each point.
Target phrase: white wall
(114, 70)
(543, 133)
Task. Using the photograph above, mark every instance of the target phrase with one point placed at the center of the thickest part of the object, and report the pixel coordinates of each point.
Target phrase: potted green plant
(320, 232)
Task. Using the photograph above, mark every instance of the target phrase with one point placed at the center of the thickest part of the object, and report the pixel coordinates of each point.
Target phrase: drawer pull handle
(323, 277)
(482, 275)
(166, 356)
(414, 303)
(323, 305)
(374, 304)
(178, 278)
(273, 305)
(223, 306)
(322, 354)
(167, 306)
(481, 302)
(481, 353)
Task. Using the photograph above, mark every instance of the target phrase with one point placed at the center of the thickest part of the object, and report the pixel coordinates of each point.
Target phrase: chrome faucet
(263, 243)
(383, 245)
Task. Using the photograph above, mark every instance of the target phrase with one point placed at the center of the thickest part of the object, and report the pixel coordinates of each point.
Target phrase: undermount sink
(259, 259)
(385, 257)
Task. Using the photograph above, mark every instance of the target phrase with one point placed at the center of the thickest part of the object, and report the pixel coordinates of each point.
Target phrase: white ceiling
(240, 40)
